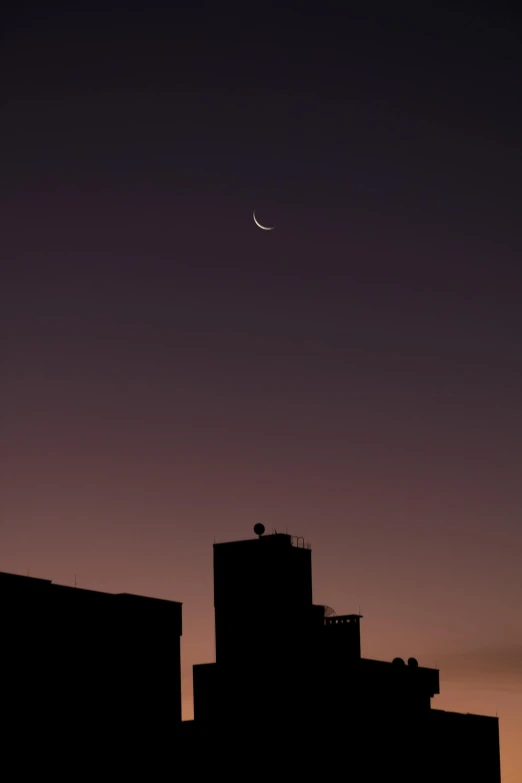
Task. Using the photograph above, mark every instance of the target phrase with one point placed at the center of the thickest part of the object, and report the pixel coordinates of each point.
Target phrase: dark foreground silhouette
(91, 683)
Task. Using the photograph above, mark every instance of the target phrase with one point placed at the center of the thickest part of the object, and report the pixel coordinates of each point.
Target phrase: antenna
(75, 583)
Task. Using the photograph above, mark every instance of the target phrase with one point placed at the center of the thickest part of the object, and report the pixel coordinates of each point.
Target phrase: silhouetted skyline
(292, 672)
(171, 373)
(286, 669)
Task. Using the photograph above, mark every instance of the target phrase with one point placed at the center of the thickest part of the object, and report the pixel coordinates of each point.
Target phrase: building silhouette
(290, 683)
(289, 692)
(80, 665)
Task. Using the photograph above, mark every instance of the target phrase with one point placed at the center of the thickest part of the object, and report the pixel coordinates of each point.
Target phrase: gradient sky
(171, 375)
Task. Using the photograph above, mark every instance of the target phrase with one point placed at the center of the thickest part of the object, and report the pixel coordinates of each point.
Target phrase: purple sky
(170, 374)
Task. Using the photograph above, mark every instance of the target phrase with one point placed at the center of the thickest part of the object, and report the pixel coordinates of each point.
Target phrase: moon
(258, 224)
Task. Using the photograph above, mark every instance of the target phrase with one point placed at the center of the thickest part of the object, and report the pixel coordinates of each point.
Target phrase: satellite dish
(259, 529)
(413, 662)
(329, 612)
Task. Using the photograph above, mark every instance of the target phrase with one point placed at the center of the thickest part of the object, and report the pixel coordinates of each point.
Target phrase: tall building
(290, 682)
(262, 598)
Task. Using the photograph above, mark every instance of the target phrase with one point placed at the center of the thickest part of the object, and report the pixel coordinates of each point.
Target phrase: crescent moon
(258, 224)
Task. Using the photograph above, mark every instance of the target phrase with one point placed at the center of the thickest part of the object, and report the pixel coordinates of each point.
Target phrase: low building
(79, 663)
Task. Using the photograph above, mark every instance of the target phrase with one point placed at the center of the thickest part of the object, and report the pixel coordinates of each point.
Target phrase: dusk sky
(171, 374)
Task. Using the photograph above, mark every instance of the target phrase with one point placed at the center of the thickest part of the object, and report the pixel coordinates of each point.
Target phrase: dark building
(96, 677)
(291, 688)
(80, 663)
